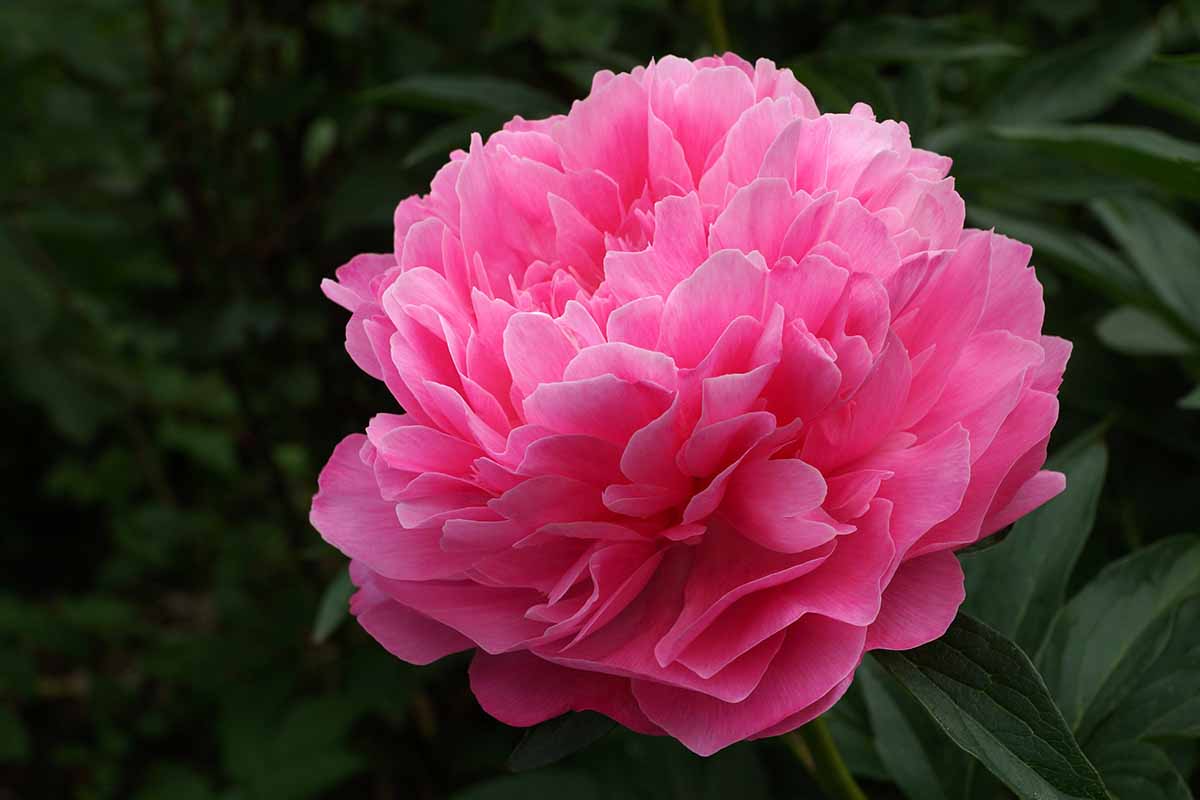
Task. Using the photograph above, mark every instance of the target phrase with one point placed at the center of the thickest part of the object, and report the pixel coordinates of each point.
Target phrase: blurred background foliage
(177, 177)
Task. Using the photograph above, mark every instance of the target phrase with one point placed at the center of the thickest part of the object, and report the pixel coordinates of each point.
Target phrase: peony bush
(698, 391)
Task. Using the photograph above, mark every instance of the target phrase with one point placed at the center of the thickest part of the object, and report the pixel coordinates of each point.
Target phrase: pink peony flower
(702, 389)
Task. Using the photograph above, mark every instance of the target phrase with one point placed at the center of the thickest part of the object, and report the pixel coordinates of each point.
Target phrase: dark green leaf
(1136, 332)
(850, 726)
(464, 93)
(334, 607)
(1161, 698)
(1141, 153)
(558, 738)
(985, 693)
(895, 38)
(442, 140)
(1191, 400)
(1075, 254)
(1172, 84)
(1036, 560)
(1164, 249)
(1071, 82)
(1090, 654)
(550, 783)
(912, 747)
(1136, 771)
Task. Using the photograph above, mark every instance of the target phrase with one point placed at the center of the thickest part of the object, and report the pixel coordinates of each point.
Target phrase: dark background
(176, 178)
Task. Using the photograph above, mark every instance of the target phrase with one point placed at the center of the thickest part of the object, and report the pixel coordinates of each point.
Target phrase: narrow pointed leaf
(1035, 562)
(1162, 247)
(1136, 332)
(986, 695)
(558, 738)
(1144, 154)
(333, 608)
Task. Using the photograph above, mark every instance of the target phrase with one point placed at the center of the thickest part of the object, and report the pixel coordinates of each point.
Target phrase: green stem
(714, 19)
(815, 748)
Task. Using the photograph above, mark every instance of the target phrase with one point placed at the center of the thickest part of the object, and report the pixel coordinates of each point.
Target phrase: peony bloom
(701, 391)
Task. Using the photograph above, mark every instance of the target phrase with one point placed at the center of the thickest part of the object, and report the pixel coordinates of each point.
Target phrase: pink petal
(816, 656)
(521, 689)
(403, 632)
(919, 604)
(698, 310)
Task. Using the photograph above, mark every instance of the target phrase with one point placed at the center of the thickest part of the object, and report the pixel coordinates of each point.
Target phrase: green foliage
(179, 176)
(556, 738)
(988, 697)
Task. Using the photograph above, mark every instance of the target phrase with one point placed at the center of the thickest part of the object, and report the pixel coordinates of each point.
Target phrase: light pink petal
(756, 218)
(698, 310)
(1014, 295)
(637, 323)
(536, 350)
(624, 361)
(617, 107)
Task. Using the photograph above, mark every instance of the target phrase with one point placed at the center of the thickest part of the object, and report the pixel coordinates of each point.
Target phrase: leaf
(551, 783)
(1035, 562)
(1010, 174)
(1079, 256)
(1191, 400)
(1090, 655)
(1142, 153)
(1172, 84)
(896, 38)
(455, 134)
(558, 738)
(1136, 332)
(1135, 771)
(1161, 247)
(917, 99)
(838, 83)
(1071, 82)
(334, 607)
(1162, 697)
(909, 743)
(463, 93)
(986, 695)
(850, 726)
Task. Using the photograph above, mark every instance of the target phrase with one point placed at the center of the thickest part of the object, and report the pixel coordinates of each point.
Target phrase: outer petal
(818, 654)
(521, 689)
(403, 632)
(919, 604)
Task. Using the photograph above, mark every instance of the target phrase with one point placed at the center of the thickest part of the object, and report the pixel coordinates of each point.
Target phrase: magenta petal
(816, 656)
(919, 604)
(521, 689)
(403, 632)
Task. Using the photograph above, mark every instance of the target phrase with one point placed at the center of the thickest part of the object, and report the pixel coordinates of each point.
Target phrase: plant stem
(815, 748)
(714, 20)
